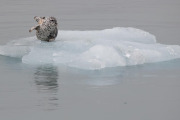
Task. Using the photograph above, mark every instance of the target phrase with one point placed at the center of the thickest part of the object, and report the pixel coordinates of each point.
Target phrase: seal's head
(46, 20)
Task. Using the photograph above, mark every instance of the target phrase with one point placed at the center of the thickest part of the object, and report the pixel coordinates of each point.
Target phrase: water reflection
(120, 75)
(46, 79)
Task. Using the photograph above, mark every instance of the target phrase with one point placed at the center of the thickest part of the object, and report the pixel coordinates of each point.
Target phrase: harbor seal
(46, 30)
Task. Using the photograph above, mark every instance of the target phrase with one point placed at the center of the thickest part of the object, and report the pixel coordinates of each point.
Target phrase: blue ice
(94, 49)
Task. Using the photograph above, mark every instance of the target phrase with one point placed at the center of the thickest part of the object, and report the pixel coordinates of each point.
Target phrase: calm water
(143, 92)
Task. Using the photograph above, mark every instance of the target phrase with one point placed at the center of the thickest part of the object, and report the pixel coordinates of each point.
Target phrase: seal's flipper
(34, 28)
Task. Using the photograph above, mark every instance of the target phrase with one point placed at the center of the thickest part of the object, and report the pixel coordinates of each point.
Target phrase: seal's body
(46, 30)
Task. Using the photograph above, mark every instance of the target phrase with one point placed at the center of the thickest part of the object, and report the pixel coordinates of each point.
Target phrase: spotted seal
(46, 30)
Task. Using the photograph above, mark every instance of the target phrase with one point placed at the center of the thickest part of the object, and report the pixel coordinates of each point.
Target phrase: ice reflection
(46, 79)
(118, 75)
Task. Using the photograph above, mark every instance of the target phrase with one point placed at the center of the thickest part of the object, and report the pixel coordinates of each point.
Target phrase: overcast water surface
(44, 92)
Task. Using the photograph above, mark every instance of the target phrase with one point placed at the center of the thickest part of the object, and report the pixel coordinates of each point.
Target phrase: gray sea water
(141, 92)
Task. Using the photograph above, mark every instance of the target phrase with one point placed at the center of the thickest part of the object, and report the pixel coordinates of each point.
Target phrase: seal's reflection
(46, 79)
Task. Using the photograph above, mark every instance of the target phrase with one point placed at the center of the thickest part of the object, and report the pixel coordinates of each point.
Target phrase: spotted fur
(46, 30)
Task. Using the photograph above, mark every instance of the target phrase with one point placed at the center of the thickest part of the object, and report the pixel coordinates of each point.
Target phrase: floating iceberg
(93, 49)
